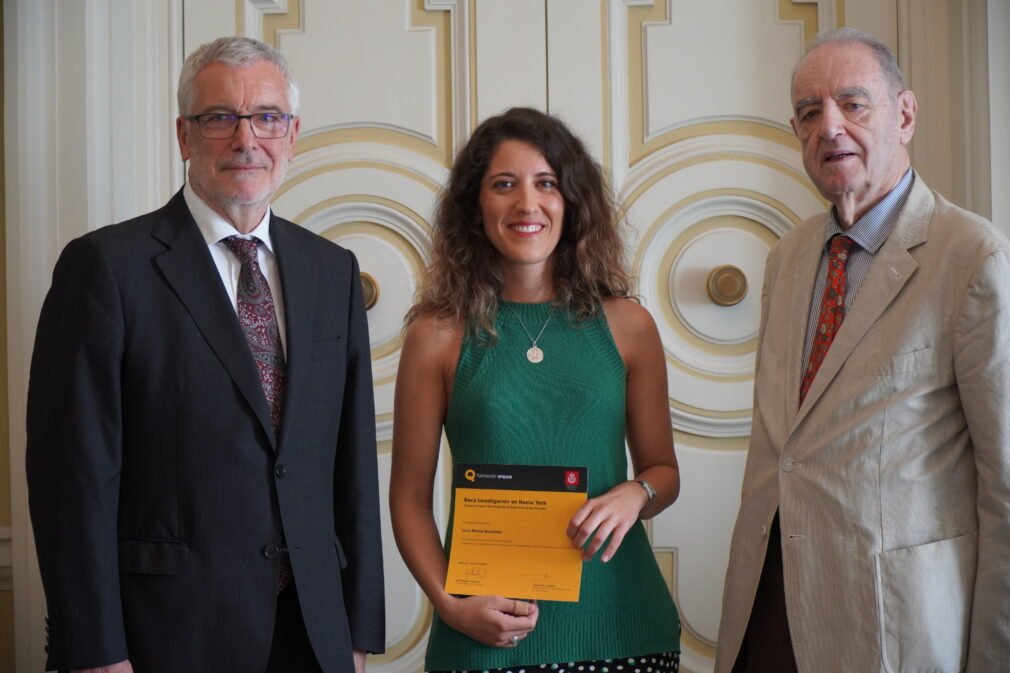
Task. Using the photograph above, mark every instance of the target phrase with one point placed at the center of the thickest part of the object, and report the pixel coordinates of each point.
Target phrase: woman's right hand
(492, 620)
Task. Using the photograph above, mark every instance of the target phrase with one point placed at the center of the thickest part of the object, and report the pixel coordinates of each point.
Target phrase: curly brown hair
(463, 280)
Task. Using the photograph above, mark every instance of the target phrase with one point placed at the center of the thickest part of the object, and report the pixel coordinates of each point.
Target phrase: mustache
(242, 161)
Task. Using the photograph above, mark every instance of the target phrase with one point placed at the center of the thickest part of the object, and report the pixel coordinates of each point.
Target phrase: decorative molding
(430, 174)
(402, 237)
(641, 140)
(471, 61)
(710, 350)
(690, 337)
(830, 13)
(776, 155)
(447, 20)
(619, 90)
(268, 20)
(640, 15)
(790, 11)
(6, 560)
(464, 59)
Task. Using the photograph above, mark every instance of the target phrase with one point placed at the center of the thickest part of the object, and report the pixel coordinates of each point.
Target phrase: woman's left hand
(611, 514)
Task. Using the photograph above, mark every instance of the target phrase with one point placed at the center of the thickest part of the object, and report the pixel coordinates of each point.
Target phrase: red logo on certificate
(571, 478)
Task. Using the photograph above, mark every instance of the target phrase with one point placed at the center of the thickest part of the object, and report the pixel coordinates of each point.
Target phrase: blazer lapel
(888, 274)
(189, 269)
(298, 272)
(803, 280)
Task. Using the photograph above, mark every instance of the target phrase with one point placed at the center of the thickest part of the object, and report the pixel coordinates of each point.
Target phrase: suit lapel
(189, 269)
(299, 282)
(888, 275)
(803, 279)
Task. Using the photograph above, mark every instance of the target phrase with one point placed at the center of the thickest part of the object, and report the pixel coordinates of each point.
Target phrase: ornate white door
(685, 103)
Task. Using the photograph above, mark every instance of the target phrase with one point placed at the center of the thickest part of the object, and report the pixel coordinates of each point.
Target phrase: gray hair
(237, 52)
(885, 57)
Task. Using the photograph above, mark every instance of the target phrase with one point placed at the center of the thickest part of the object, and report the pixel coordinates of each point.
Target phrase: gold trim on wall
(369, 134)
(384, 447)
(790, 10)
(274, 24)
(440, 21)
(439, 151)
(348, 165)
(724, 156)
(695, 197)
(710, 443)
(472, 56)
(366, 198)
(608, 123)
(639, 18)
(805, 13)
(240, 17)
(691, 233)
(692, 641)
(376, 230)
(417, 633)
(667, 562)
(710, 413)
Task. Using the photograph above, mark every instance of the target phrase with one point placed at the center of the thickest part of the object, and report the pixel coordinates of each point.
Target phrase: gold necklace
(535, 354)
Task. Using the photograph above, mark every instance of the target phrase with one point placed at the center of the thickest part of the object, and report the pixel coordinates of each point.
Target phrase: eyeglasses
(222, 125)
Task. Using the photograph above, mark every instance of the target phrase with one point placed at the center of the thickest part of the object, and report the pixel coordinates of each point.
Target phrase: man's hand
(121, 667)
(359, 661)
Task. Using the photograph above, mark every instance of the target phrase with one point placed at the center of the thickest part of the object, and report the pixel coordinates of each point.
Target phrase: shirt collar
(872, 229)
(215, 228)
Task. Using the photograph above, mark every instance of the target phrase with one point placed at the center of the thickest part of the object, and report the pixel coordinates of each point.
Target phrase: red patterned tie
(832, 309)
(258, 319)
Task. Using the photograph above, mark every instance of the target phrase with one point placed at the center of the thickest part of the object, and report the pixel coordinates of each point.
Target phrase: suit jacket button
(280, 471)
(271, 551)
(788, 465)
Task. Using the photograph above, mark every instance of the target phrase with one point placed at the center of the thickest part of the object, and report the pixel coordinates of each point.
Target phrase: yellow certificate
(509, 531)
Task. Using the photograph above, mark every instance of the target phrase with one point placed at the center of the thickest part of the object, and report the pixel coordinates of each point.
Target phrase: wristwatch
(649, 490)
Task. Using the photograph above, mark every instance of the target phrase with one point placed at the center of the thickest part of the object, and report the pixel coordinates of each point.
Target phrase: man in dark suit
(201, 450)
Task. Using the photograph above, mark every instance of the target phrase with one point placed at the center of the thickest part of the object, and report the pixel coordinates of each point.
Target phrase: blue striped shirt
(869, 233)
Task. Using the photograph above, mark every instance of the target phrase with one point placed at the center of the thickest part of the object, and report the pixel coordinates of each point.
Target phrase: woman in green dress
(526, 348)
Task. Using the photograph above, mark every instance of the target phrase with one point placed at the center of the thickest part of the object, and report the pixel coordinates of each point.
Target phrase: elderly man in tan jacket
(874, 528)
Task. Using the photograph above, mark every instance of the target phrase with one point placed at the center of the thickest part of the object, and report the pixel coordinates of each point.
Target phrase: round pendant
(534, 355)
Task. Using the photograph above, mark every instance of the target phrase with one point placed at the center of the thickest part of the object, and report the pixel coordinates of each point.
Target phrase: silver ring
(514, 641)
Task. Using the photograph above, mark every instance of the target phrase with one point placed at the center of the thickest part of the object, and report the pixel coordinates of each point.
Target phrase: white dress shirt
(215, 229)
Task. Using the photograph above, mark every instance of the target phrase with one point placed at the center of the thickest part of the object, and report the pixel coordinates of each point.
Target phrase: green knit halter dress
(568, 409)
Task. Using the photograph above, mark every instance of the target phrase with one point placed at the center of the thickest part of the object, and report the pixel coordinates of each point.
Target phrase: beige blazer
(892, 480)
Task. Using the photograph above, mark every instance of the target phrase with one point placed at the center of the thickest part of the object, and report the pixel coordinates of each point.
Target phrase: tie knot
(244, 248)
(840, 245)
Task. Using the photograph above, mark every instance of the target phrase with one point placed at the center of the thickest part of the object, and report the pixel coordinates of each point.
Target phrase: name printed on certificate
(508, 531)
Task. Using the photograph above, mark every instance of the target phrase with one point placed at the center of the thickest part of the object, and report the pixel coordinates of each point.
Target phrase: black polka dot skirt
(666, 662)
